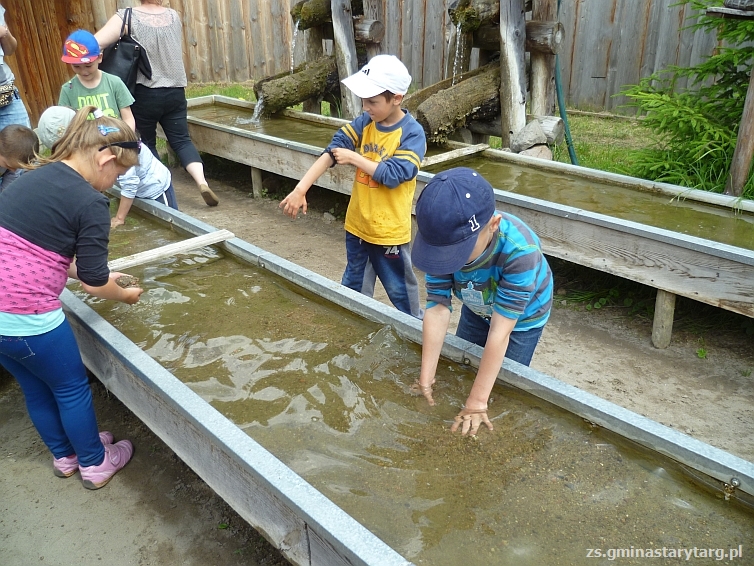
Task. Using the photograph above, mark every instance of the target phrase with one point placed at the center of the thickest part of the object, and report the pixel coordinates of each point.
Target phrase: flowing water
(293, 42)
(457, 57)
(327, 392)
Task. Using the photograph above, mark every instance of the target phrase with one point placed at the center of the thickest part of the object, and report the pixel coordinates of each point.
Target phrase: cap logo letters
(474, 224)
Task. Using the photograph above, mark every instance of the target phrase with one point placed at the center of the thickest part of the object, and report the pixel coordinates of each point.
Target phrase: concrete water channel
(680, 241)
(288, 395)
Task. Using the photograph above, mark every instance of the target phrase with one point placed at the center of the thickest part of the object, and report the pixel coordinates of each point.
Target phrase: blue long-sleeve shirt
(511, 277)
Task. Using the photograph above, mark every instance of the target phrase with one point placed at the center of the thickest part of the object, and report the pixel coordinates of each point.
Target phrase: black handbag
(126, 57)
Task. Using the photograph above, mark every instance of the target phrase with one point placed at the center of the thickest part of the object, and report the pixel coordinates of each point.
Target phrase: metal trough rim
(701, 456)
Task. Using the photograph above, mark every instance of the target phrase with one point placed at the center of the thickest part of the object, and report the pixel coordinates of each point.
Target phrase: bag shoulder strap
(126, 22)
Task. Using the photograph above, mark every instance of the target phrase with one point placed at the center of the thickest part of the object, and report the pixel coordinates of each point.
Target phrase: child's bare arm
(345, 156)
(434, 327)
(123, 208)
(128, 117)
(296, 199)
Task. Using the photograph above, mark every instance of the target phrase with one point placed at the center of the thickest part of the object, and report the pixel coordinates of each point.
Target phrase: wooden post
(662, 325)
(345, 54)
(512, 69)
(256, 182)
(313, 49)
(742, 155)
(543, 65)
(99, 11)
(373, 11)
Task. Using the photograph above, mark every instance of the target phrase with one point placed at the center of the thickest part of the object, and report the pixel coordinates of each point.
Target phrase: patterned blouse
(161, 35)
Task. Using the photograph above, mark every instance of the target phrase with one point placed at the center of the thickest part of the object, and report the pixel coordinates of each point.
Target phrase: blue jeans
(56, 388)
(392, 264)
(521, 344)
(14, 113)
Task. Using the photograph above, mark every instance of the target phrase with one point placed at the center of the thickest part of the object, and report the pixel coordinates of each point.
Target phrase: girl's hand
(469, 421)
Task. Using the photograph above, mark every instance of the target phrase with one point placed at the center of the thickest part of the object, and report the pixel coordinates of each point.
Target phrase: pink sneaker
(66, 466)
(116, 456)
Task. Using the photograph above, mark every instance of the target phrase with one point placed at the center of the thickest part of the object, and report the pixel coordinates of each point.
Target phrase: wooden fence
(609, 43)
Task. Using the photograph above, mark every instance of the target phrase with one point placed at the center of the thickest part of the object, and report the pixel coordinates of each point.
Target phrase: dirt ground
(158, 512)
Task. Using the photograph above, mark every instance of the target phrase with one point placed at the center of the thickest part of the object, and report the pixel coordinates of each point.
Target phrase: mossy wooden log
(413, 100)
(364, 31)
(313, 13)
(311, 80)
(470, 14)
(475, 98)
(541, 37)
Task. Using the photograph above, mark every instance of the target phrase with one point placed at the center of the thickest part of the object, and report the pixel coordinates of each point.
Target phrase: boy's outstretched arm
(475, 409)
(296, 199)
(123, 208)
(434, 327)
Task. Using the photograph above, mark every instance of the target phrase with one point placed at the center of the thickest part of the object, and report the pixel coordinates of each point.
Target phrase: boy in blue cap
(493, 263)
(91, 86)
(386, 145)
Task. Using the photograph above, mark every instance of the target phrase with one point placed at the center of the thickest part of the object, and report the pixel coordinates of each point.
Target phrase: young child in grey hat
(493, 263)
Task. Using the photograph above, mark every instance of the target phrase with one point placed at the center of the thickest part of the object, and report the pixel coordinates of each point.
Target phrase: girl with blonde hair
(54, 224)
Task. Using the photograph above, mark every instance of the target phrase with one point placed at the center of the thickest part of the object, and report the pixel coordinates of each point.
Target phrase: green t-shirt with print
(109, 96)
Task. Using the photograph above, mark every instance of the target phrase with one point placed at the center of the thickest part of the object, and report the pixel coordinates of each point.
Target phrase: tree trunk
(310, 80)
(473, 13)
(475, 98)
(541, 37)
(344, 46)
(313, 13)
(542, 82)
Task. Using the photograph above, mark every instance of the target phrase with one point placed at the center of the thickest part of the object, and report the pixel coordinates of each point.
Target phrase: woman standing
(161, 99)
(55, 224)
(14, 111)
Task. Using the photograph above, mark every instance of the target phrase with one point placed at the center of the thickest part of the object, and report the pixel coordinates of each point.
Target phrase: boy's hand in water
(418, 389)
(469, 421)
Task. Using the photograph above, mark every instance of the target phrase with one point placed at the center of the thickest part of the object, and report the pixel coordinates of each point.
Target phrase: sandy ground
(158, 512)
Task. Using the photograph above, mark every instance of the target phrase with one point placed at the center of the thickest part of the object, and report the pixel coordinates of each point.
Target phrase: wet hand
(418, 389)
(293, 202)
(131, 295)
(116, 222)
(469, 420)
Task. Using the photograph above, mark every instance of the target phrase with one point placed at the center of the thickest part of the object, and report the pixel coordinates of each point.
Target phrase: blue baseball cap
(450, 213)
(80, 47)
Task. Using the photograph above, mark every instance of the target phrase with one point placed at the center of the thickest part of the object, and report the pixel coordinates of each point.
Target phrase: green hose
(562, 107)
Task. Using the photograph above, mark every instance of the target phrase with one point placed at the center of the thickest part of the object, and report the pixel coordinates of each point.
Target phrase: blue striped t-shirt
(511, 277)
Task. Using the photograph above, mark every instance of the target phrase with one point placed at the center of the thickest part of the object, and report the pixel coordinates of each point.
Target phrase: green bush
(694, 130)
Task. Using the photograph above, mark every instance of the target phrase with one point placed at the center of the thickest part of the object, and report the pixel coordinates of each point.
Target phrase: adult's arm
(7, 41)
(110, 32)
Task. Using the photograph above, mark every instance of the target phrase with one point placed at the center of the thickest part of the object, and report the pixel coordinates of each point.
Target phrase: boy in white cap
(386, 145)
(493, 263)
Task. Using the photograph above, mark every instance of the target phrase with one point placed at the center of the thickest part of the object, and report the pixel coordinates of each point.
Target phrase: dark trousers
(167, 107)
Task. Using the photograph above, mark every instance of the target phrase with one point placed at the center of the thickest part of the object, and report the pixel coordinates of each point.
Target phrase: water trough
(682, 242)
(295, 517)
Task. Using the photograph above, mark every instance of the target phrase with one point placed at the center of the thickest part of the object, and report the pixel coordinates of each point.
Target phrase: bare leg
(196, 170)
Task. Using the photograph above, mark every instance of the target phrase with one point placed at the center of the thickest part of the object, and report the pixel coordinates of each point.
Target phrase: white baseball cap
(53, 123)
(383, 72)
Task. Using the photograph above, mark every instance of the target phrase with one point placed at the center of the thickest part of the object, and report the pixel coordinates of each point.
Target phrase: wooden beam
(742, 155)
(662, 326)
(345, 54)
(170, 250)
(543, 64)
(512, 69)
(454, 154)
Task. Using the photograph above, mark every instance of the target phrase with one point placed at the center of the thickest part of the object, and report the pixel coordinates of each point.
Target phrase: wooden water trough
(693, 266)
(296, 518)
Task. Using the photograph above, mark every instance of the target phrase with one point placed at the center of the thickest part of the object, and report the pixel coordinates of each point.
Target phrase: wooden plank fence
(608, 44)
